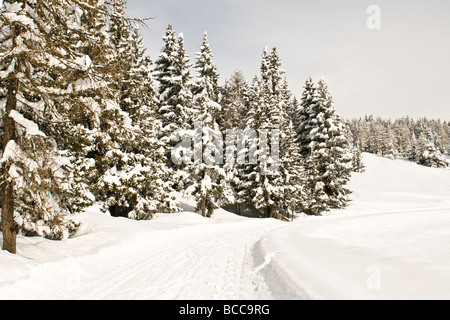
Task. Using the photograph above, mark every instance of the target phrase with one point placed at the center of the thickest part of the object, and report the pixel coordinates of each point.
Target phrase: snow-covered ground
(391, 243)
(181, 256)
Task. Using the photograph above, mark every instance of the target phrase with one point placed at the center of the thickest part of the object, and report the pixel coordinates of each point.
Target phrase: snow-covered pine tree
(109, 126)
(255, 177)
(425, 151)
(208, 179)
(330, 158)
(430, 156)
(292, 166)
(175, 108)
(292, 111)
(135, 174)
(165, 74)
(208, 77)
(173, 76)
(153, 182)
(304, 117)
(184, 96)
(401, 135)
(275, 177)
(44, 66)
(127, 49)
(234, 100)
(388, 148)
(232, 121)
(442, 136)
(353, 132)
(248, 176)
(357, 162)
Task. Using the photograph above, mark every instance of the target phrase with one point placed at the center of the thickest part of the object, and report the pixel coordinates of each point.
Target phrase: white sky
(402, 69)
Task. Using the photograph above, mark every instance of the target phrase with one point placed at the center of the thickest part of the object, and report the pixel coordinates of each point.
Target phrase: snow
(391, 243)
(176, 256)
(398, 225)
(12, 17)
(11, 151)
(84, 62)
(9, 70)
(74, 22)
(30, 127)
(15, 7)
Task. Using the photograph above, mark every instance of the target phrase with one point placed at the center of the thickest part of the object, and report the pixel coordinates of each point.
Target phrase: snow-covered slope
(179, 256)
(392, 242)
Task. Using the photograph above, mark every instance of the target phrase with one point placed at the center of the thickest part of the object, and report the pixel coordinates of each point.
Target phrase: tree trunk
(270, 212)
(238, 209)
(273, 212)
(204, 207)
(267, 212)
(7, 192)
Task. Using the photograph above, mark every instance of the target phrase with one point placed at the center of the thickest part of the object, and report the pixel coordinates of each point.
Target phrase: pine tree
(47, 117)
(430, 156)
(292, 111)
(175, 109)
(234, 100)
(425, 151)
(273, 183)
(208, 77)
(208, 178)
(248, 176)
(175, 101)
(232, 121)
(304, 117)
(293, 171)
(401, 135)
(330, 152)
(183, 78)
(353, 133)
(135, 173)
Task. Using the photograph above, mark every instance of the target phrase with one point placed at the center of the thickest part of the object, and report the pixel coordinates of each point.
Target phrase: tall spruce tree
(275, 177)
(175, 108)
(249, 172)
(208, 178)
(173, 76)
(232, 121)
(330, 158)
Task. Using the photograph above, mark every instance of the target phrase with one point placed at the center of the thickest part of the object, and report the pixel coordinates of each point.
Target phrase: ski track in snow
(187, 263)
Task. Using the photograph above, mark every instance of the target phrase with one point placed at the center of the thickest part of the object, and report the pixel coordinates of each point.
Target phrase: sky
(401, 68)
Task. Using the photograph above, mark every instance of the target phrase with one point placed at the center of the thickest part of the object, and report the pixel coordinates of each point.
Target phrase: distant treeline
(423, 141)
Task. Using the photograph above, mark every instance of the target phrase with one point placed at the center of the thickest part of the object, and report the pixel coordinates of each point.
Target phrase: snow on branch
(30, 127)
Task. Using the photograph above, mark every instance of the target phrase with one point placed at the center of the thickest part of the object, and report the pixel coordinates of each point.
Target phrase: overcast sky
(401, 69)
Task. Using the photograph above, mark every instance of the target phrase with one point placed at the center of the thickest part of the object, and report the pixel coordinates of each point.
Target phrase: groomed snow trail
(211, 261)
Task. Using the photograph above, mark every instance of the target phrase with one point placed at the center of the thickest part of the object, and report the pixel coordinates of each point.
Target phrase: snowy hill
(391, 243)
